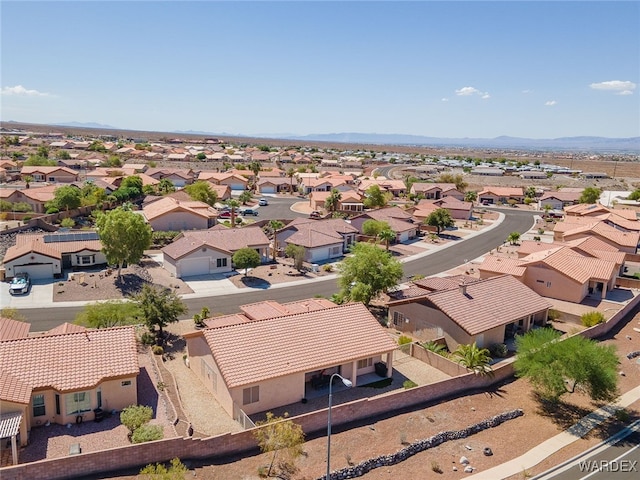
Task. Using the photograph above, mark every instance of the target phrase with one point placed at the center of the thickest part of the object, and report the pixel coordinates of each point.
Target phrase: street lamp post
(347, 383)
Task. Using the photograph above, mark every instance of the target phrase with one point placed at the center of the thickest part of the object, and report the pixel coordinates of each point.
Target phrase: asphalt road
(618, 461)
(515, 220)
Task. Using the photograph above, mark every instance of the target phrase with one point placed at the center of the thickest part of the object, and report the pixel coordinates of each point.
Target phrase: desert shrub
(52, 210)
(435, 347)
(435, 466)
(553, 314)
(499, 350)
(409, 384)
(536, 238)
(622, 415)
(26, 218)
(328, 267)
(148, 338)
(590, 319)
(541, 231)
(147, 433)
(158, 471)
(157, 350)
(134, 416)
(67, 223)
(403, 340)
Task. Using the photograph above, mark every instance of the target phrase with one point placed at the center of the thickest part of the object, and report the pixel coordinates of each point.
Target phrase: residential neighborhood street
(43, 317)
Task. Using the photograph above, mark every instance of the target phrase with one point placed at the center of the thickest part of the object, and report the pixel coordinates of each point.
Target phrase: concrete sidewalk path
(554, 444)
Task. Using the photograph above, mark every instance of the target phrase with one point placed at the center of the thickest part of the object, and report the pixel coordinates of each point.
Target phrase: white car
(20, 284)
(263, 201)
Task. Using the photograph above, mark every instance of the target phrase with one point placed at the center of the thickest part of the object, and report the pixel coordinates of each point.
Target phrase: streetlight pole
(349, 384)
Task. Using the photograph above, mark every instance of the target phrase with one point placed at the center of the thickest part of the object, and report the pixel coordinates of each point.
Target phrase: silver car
(20, 284)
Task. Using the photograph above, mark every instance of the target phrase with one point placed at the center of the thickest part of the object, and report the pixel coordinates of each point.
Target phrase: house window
(336, 250)
(221, 262)
(251, 395)
(52, 179)
(78, 402)
(99, 398)
(85, 259)
(398, 318)
(57, 404)
(365, 362)
(126, 383)
(38, 406)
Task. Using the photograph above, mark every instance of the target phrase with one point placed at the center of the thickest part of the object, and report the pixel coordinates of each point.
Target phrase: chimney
(463, 288)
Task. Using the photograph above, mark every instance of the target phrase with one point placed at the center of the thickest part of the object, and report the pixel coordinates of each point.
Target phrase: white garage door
(36, 271)
(194, 266)
(268, 189)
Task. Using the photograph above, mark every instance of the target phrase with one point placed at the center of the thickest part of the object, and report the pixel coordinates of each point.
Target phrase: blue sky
(441, 69)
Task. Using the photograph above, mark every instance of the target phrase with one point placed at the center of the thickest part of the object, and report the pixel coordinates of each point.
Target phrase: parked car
(225, 214)
(20, 284)
(315, 214)
(263, 201)
(249, 211)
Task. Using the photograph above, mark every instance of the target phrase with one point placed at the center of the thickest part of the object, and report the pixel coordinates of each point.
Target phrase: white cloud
(467, 91)
(444, 99)
(550, 103)
(526, 91)
(21, 91)
(618, 87)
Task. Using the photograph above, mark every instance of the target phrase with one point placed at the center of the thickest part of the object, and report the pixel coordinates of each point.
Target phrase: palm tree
(513, 238)
(475, 359)
(470, 196)
(274, 226)
(333, 200)
(290, 173)
(386, 236)
(234, 204)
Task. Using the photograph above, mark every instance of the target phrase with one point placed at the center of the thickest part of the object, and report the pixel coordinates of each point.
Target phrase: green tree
(67, 197)
(366, 273)
(234, 205)
(590, 195)
(333, 200)
(297, 252)
(147, 433)
(67, 222)
(274, 226)
(372, 228)
(513, 238)
(589, 319)
(246, 258)
(375, 197)
(457, 180)
(97, 146)
(43, 151)
(166, 186)
(556, 367)
(635, 195)
(277, 434)
(134, 416)
(387, 235)
(291, 172)
(255, 168)
(39, 161)
(125, 236)
(202, 192)
(132, 183)
(158, 471)
(440, 218)
(107, 314)
(470, 196)
(63, 155)
(245, 196)
(201, 156)
(160, 306)
(475, 359)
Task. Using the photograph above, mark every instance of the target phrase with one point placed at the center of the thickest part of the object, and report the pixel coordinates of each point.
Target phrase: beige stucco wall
(179, 221)
(274, 393)
(99, 258)
(199, 352)
(27, 259)
(550, 283)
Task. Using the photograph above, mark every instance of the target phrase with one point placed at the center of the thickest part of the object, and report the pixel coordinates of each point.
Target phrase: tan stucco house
(64, 375)
(243, 362)
(322, 239)
(204, 252)
(169, 213)
(50, 174)
(486, 311)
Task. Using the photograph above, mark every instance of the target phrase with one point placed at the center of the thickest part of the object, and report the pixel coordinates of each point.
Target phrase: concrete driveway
(39, 295)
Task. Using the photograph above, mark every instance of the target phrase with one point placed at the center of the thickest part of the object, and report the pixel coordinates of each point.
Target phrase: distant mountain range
(584, 143)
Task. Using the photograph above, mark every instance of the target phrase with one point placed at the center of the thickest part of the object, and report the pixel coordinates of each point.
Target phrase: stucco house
(169, 213)
(350, 200)
(233, 181)
(320, 337)
(400, 221)
(395, 187)
(322, 239)
(178, 176)
(204, 252)
(558, 200)
(577, 228)
(569, 271)
(464, 311)
(458, 209)
(46, 255)
(274, 184)
(498, 195)
(50, 174)
(64, 375)
(436, 191)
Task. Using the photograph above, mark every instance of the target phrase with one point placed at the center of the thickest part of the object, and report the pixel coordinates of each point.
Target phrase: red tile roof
(10, 329)
(12, 389)
(224, 239)
(251, 352)
(488, 303)
(71, 361)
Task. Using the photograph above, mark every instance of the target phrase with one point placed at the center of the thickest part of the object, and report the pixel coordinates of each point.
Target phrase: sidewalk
(554, 444)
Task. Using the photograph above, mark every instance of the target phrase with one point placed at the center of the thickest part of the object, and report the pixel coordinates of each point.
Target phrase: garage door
(268, 189)
(36, 272)
(194, 266)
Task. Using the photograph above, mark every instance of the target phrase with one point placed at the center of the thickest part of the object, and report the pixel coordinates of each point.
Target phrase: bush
(328, 267)
(553, 314)
(590, 319)
(134, 416)
(26, 218)
(67, 223)
(409, 384)
(499, 350)
(157, 350)
(435, 466)
(403, 340)
(147, 433)
(148, 338)
(52, 210)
